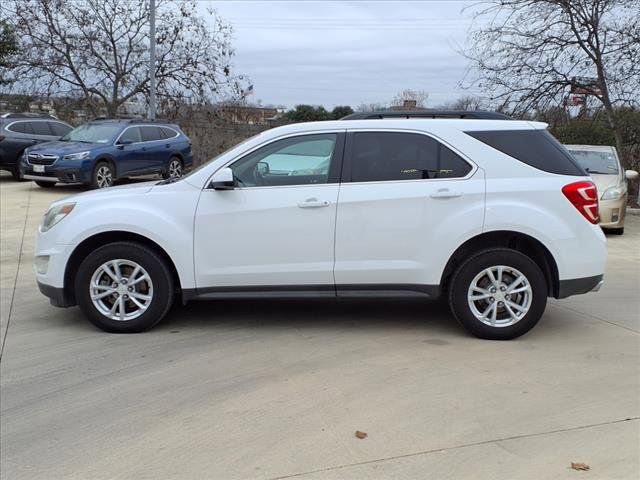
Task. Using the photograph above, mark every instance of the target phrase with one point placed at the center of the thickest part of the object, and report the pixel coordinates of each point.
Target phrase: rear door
(405, 198)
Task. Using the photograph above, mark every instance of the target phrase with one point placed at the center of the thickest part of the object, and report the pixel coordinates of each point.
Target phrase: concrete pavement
(276, 389)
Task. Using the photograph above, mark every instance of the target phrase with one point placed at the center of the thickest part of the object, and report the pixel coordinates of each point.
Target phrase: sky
(347, 52)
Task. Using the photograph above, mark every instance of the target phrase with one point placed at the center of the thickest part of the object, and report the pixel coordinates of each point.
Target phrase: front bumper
(57, 296)
(612, 212)
(60, 171)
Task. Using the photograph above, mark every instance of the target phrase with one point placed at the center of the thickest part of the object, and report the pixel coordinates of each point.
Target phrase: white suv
(494, 214)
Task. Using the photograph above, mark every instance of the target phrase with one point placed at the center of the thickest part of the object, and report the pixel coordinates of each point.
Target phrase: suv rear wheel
(498, 294)
(124, 287)
(174, 169)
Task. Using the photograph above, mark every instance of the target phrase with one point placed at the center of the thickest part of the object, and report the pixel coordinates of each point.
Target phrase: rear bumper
(578, 286)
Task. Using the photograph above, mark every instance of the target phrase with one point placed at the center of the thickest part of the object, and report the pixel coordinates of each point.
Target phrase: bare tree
(467, 103)
(420, 97)
(98, 49)
(527, 53)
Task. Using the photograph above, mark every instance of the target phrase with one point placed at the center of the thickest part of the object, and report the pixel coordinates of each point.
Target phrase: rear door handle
(445, 193)
(313, 203)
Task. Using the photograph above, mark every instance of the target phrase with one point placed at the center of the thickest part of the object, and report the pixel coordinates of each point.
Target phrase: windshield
(603, 163)
(92, 133)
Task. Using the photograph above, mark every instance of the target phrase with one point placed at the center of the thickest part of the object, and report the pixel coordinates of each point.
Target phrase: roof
(465, 114)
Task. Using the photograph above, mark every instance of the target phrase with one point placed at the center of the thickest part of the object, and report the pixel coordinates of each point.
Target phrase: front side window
(388, 156)
(304, 160)
(599, 163)
(93, 133)
(131, 134)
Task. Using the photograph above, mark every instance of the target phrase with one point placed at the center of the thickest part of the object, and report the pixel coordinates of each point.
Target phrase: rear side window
(385, 156)
(59, 129)
(20, 127)
(167, 132)
(151, 133)
(536, 148)
(41, 128)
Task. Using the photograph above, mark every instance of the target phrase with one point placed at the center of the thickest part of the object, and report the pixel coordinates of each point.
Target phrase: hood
(605, 181)
(64, 148)
(108, 193)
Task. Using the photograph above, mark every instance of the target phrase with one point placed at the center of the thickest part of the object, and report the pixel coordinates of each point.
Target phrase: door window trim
(20, 121)
(335, 166)
(146, 141)
(347, 164)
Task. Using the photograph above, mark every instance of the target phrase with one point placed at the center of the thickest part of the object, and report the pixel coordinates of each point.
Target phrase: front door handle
(445, 193)
(313, 203)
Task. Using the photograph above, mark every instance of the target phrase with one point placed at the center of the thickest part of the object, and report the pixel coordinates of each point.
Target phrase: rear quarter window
(536, 148)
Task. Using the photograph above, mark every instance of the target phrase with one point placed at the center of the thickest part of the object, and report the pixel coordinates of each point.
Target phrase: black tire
(163, 286)
(16, 173)
(100, 178)
(45, 184)
(167, 173)
(617, 231)
(467, 272)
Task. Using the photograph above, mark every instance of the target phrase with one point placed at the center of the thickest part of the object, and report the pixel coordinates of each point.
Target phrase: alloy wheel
(500, 296)
(175, 169)
(104, 177)
(121, 289)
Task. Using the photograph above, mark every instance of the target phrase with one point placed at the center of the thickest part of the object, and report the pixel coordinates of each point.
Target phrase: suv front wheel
(498, 294)
(124, 287)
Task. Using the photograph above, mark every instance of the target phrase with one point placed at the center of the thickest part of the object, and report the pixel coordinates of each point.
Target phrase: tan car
(603, 164)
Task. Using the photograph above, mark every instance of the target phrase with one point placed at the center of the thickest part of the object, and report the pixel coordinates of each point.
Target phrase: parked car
(493, 214)
(603, 165)
(102, 151)
(19, 131)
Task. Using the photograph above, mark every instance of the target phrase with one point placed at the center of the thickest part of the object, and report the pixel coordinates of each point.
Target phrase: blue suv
(102, 151)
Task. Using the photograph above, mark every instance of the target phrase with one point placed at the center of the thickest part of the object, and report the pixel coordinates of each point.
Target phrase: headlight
(77, 156)
(55, 214)
(614, 193)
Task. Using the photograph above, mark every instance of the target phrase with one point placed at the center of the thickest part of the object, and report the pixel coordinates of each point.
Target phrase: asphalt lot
(276, 389)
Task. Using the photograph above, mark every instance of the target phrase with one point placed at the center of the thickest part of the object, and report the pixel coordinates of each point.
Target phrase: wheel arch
(518, 241)
(95, 241)
(107, 159)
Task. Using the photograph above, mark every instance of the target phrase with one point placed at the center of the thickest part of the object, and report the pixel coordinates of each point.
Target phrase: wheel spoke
(116, 269)
(99, 296)
(138, 280)
(499, 278)
(141, 296)
(108, 271)
(516, 306)
(494, 315)
(141, 306)
(492, 277)
(121, 307)
(515, 283)
(511, 312)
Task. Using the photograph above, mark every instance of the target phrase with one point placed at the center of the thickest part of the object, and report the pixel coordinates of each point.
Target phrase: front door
(405, 199)
(132, 154)
(275, 229)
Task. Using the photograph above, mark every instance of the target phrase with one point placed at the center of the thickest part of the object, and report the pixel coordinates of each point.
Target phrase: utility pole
(152, 59)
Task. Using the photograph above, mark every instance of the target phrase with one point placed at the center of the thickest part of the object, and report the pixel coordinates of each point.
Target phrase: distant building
(406, 105)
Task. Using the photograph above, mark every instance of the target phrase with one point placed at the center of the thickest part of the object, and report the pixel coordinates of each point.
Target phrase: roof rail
(27, 115)
(129, 120)
(474, 114)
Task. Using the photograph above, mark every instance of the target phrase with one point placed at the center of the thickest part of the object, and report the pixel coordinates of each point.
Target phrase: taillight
(583, 196)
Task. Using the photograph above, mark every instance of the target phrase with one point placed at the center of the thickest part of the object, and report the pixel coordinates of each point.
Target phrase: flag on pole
(247, 91)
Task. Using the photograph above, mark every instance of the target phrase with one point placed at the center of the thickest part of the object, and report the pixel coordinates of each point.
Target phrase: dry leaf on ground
(580, 466)
(360, 434)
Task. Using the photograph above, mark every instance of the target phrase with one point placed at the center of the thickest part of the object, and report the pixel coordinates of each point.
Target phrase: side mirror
(262, 168)
(222, 180)
(631, 174)
(122, 143)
